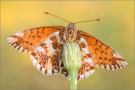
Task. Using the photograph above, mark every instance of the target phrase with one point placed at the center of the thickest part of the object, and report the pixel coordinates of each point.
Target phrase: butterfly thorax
(70, 33)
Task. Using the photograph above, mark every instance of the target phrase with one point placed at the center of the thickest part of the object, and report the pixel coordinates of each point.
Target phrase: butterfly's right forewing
(28, 40)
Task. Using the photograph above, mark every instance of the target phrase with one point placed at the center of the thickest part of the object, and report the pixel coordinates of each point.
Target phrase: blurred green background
(116, 28)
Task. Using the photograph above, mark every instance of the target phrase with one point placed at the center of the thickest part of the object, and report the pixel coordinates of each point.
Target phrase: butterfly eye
(74, 27)
(68, 27)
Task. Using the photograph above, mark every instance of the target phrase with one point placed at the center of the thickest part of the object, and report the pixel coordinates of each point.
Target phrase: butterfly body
(45, 44)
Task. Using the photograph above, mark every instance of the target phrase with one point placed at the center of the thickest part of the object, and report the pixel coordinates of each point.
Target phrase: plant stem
(73, 79)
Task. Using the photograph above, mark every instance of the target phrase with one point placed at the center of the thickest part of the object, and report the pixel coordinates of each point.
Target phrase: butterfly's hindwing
(45, 57)
(87, 67)
(64, 72)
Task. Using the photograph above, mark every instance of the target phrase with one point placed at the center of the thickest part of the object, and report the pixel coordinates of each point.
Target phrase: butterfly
(45, 45)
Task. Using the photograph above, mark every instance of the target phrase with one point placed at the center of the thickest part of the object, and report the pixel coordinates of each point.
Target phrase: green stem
(73, 79)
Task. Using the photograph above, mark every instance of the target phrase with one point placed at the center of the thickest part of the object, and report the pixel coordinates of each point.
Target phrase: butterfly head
(71, 26)
(71, 32)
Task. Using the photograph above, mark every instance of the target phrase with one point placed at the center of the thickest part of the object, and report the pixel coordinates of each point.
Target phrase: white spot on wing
(112, 67)
(11, 39)
(51, 49)
(126, 63)
(16, 47)
(48, 41)
(87, 74)
(32, 58)
(88, 60)
(123, 63)
(81, 76)
(118, 62)
(40, 49)
(38, 66)
(107, 67)
(20, 49)
(116, 67)
(43, 70)
(102, 66)
(92, 71)
(85, 50)
(55, 71)
(26, 50)
(83, 40)
(34, 61)
(54, 34)
(49, 72)
(19, 33)
(96, 65)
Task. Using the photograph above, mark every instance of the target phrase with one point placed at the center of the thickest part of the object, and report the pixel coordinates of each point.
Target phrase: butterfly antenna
(55, 16)
(98, 19)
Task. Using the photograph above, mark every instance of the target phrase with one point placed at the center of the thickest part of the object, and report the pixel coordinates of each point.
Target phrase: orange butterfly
(45, 45)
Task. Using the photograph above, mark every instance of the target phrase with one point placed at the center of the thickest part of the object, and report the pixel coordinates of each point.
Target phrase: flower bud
(72, 60)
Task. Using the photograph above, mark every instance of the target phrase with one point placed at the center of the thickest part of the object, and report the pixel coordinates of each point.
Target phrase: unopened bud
(72, 60)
